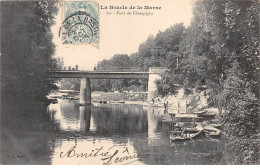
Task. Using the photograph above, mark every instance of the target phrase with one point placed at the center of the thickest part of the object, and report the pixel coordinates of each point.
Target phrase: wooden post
(178, 107)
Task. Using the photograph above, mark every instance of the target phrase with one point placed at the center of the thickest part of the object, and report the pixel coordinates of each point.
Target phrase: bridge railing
(76, 68)
(120, 69)
(105, 69)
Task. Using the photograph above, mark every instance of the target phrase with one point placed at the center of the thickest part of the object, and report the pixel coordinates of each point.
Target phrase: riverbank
(179, 103)
(196, 101)
(111, 96)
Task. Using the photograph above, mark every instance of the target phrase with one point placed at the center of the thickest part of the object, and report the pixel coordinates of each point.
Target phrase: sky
(121, 33)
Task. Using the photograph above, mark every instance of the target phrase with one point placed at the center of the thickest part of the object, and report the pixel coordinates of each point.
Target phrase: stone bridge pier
(85, 91)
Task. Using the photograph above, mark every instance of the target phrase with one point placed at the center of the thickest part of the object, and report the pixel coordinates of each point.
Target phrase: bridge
(99, 75)
(132, 73)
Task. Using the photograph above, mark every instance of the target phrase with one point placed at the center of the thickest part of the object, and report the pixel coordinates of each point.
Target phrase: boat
(104, 102)
(185, 136)
(211, 131)
(100, 101)
(218, 126)
(187, 118)
(199, 112)
(208, 115)
(117, 102)
(65, 97)
(73, 97)
(213, 134)
(52, 100)
(194, 129)
(95, 104)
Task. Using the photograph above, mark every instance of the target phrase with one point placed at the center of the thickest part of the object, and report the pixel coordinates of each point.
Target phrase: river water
(130, 134)
(108, 134)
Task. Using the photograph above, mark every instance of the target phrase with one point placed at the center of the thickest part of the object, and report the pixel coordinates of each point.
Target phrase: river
(115, 134)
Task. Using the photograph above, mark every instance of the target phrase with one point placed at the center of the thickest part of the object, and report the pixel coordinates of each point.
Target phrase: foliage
(114, 64)
(242, 117)
(166, 84)
(223, 52)
(26, 53)
(161, 50)
(70, 84)
(245, 150)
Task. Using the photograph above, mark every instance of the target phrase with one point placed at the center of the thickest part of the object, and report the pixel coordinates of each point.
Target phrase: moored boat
(208, 114)
(218, 126)
(52, 100)
(212, 131)
(194, 129)
(117, 102)
(185, 136)
(199, 112)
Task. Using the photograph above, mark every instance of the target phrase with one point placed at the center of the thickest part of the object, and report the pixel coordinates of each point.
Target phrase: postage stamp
(81, 23)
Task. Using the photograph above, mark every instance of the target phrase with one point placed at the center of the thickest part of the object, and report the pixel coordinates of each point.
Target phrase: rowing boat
(185, 136)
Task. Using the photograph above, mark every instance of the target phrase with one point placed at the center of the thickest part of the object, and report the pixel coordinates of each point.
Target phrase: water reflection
(27, 138)
(119, 119)
(135, 128)
(154, 132)
(85, 118)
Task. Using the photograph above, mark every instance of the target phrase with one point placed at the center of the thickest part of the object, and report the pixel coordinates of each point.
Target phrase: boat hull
(188, 138)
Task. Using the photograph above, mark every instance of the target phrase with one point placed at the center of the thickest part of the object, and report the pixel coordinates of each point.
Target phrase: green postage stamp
(81, 23)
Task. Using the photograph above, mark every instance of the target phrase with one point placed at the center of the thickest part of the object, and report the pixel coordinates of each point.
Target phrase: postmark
(81, 23)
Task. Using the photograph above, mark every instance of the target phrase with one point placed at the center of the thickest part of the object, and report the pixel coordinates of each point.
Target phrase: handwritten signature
(111, 156)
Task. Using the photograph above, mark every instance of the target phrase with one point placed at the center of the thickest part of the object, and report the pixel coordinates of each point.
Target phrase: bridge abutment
(85, 91)
(154, 74)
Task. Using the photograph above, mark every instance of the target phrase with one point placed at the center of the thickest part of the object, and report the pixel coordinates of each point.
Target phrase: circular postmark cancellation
(79, 28)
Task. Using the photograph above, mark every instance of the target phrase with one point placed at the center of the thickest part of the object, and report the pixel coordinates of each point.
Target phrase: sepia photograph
(130, 82)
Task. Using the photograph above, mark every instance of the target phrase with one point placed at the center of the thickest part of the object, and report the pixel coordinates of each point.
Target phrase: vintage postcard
(130, 82)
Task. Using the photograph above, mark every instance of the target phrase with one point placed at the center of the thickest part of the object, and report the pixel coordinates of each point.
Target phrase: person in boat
(177, 129)
(183, 134)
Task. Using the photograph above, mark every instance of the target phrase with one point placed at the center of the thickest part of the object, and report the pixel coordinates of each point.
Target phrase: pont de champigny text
(131, 7)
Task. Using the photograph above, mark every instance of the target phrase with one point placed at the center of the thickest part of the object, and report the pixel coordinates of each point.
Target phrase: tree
(70, 84)
(27, 49)
(223, 49)
(26, 57)
(242, 116)
(117, 63)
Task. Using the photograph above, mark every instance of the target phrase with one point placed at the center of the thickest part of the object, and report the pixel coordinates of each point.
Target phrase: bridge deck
(99, 74)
